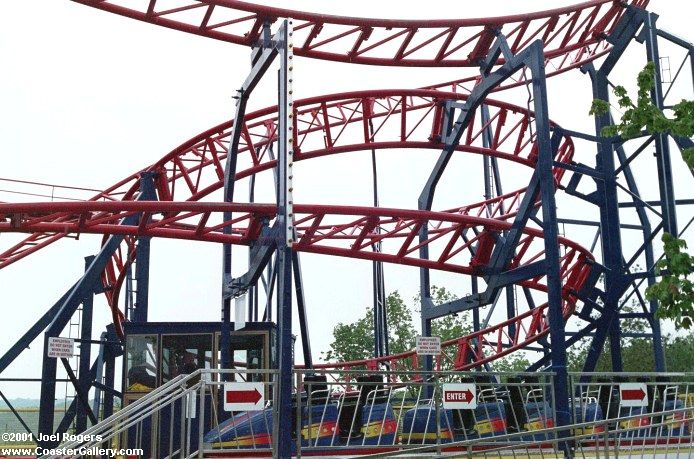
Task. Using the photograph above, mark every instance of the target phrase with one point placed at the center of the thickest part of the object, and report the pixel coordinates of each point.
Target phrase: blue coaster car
(379, 425)
(252, 429)
(633, 424)
(676, 425)
(419, 424)
(540, 416)
(319, 426)
(490, 419)
(588, 411)
(372, 424)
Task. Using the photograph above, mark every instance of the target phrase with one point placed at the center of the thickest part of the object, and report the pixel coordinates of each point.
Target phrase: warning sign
(428, 345)
(61, 347)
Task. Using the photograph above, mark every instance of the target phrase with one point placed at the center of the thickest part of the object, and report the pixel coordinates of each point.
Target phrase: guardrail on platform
(231, 413)
(588, 440)
(371, 410)
(175, 419)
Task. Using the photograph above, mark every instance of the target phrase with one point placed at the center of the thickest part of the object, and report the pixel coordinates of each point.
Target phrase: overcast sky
(87, 98)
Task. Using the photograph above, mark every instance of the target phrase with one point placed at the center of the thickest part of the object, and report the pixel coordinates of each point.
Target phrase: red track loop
(326, 126)
(432, 43)
(341, 231)
(323, 126)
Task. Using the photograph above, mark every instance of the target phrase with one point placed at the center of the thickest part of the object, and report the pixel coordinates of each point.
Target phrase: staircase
(160, 423)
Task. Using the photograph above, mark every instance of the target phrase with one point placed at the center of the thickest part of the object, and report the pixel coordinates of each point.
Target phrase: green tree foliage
(675, 291)
(637, 355)
(355, 341)
(512, 363)
(644, 115)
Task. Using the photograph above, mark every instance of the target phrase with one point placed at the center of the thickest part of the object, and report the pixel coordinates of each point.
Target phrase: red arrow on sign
(458, 395)
(243, 396)
(633, 394)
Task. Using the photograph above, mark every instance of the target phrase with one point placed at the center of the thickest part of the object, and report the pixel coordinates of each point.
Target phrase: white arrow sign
(244, 396)
(459, 396)
(633, 394)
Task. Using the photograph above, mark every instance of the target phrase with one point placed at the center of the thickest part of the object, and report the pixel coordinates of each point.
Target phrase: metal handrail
(634, 374)
(114, 419)
(549, 430)
(180, 387)
(149, 404)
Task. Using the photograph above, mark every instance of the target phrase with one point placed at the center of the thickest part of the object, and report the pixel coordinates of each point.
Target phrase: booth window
(141, 368)
(183, 354)
(248, 353)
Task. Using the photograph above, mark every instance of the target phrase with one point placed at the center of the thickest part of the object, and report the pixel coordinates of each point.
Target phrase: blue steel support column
(379, 320)
(665, 182)
(491, 172)
(606, 195)
(99, 375)
(261, 59)
(48, 375)
(85, 377)
(425, 298)
(142, 276)
(148, 193)
(474, 283)
(109, 371)
(610, 236)
(285, 239)
(88, 284)
(301, 305)
(452, 131)
(616, 345)
(511, 309)
(662, 142)
(658, 353)
(544, 167)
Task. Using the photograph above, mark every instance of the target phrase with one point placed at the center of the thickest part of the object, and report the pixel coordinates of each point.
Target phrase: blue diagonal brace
(261, 253)
(615, 280)
(87, 285)
(261, 59)
(503, 279)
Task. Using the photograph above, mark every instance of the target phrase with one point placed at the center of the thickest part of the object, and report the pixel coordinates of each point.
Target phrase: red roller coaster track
(327, 125)
(569, 31)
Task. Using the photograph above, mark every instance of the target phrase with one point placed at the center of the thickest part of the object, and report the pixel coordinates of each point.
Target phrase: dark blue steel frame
(636, 24)
(615, 269)
(542, 185)
(275, 240)
(55, 320)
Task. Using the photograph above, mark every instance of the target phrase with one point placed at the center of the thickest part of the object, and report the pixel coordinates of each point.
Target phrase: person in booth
(188, 364)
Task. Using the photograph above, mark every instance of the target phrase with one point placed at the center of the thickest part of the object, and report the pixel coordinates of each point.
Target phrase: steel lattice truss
(570, 34)
(188, 176)
(325, 126)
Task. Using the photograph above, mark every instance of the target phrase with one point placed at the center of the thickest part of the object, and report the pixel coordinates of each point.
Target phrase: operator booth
(157, 352)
